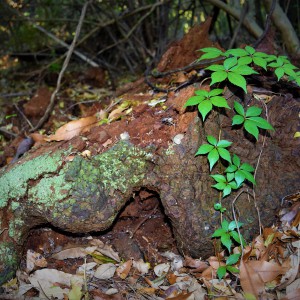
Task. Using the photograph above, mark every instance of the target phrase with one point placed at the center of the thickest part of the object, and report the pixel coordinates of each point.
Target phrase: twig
(256, 168)
(12, 95)
(23, 115)
(64, 67)
(267, 25)
(143, 220)
(241, 20)
(5, 131)
(235, 217)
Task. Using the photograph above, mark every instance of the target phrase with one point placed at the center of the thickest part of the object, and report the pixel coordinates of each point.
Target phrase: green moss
(119, 167)
(49, 190)
(15, 228)
(13, 184)
(14, 205)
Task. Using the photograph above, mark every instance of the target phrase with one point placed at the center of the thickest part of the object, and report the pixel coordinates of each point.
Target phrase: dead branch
(64, 67)
(249, 23)
(288, 34)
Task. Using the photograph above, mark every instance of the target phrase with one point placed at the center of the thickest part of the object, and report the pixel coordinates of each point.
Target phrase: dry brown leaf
(72, 129)
(123, 270)
(183, 296)
(105, 249)
(74, 252)
(198, 264)
(267, 270)
(251, 282)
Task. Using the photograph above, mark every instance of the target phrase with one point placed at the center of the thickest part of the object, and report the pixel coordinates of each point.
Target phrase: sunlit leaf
(193, 101)
(251, 127)
(232, 269)
(237, 52)
(236, 160)
(248, 176)
(204, 108)
(202, 93)
(233, 225)
(215, 68)
(239, 177)
(238, 80)
(219, 178)
(219, 186)
(233, 259)
(211, 52)
(224, 154)
(253, 111)
(261, 62)
(212, 140)
(237, 120)
(261, 123)
(239, 108)
(204, 149)
(231, 168)
(247, 167)
(215, 92)
(244, 70)
(219, 101)
(213, 157)
(218, 77)
(225, 224)
(230, 62)
(224, 143)
(246, 60)
(219, 232)
(226, 191)
(250, 49)
(221, 272)
(279, 72)
(236, 237)
(226, 241)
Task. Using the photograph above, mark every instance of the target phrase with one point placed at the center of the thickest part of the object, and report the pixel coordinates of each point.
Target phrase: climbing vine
(236, 65)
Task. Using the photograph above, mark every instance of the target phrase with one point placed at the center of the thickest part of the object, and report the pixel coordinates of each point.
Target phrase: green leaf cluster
(232, 71)
(214, 150)
(231, 260)
(240, 172)
(206, 100)
(250, 119)
(248, 56)
(282, 66)
(228, 234)
(225, 183)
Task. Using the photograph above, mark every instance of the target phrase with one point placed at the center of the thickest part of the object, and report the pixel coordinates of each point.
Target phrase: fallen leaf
(105, 249)
(161, 269)
(123, 270)
(75, 252)
(105, 271)
(251, 282)
(33, 260)
(72, 129)
(141, 266)
(197, 264)
(266, 270)
(46, 281)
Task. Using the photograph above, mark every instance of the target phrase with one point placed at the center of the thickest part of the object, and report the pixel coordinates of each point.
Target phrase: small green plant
(237, 63)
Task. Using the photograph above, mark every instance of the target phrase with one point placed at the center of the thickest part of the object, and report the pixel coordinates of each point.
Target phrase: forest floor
(58, 265)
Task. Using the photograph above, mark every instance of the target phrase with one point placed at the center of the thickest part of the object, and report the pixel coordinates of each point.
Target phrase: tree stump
(86, 194)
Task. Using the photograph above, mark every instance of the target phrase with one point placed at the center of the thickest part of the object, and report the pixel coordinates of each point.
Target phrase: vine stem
(235, 217)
